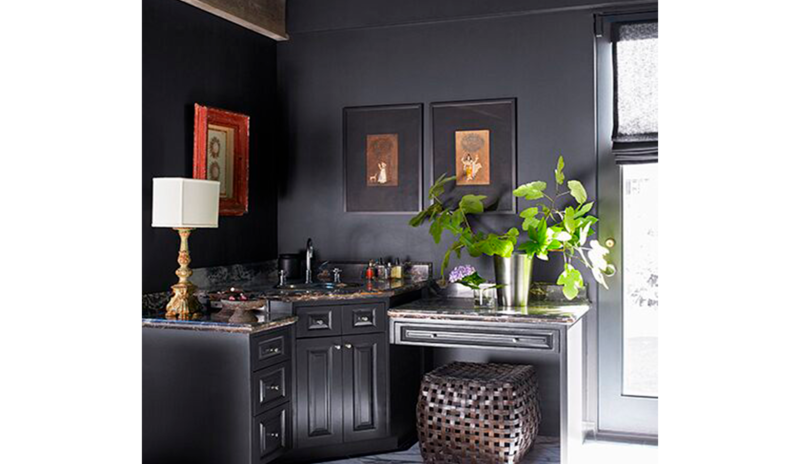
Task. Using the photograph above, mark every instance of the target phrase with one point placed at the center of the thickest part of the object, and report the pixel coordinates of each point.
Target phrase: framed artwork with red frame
(221, 144)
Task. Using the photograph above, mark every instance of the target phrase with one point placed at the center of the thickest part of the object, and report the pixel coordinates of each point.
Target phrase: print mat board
(382, 158)
(477, 142)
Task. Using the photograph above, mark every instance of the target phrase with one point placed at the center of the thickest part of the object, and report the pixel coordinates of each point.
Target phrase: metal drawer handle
(274, 387)
(274, 434)
(348, 346)
(274, 350)
(338, 347)
(319, 322)
(364, 318)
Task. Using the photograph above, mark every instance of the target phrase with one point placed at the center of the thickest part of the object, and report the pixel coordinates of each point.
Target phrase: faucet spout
(309, 256)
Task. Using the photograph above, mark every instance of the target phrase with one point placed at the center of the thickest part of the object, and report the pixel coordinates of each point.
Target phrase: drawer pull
(364, 319)
(319, 322)
(274, 387)
(348, 346)
(273, 435)
(274, 350)
(338, 347)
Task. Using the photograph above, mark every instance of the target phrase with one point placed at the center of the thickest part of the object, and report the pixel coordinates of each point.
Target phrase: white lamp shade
(185, 203)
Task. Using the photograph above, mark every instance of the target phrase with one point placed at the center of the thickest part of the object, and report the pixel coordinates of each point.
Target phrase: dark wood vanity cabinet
(213, 397)
(342, 380)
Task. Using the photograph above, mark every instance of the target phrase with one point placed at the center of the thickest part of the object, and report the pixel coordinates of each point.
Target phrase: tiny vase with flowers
(484, 293)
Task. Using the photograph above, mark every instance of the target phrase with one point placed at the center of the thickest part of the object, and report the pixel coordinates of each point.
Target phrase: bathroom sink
(317, 286)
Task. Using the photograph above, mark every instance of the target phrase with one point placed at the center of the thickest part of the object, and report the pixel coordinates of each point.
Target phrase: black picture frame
(499, 117)
(404, 120)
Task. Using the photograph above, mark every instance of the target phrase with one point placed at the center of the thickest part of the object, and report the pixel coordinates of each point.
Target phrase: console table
(547, 328)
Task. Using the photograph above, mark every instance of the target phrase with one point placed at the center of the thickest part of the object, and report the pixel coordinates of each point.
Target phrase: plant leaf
(584, 209)
(560, 170)
(563, 236)
(436, 230)
(577, 191)
(438, 187)
(572, 280)
(531, 191)
(418, 218)
(472, 204)
(530, 219)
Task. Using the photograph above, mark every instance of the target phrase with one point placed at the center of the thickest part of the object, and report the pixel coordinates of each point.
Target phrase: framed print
(382, 158)
(221, 144)
(477, 142)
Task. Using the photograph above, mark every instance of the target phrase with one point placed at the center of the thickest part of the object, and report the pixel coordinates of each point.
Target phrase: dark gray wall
(190, 56)
(544, 60)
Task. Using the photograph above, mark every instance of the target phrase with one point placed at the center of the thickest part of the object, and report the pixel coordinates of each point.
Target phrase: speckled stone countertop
(219, 321)
(259, 283)
(463, 309)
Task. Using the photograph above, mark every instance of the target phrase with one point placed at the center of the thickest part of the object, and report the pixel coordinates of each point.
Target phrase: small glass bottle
(397, 270)
(380, 270)
(370, 272)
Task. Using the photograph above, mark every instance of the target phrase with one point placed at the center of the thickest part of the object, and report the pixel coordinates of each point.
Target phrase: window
(636, 92)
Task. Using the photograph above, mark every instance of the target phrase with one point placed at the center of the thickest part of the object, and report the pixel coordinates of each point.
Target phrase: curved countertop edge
(251, 328)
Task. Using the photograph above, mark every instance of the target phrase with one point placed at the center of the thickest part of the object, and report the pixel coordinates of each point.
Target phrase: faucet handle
(337, 275)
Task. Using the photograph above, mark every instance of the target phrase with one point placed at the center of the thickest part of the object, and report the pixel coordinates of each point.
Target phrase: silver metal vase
(515, 275)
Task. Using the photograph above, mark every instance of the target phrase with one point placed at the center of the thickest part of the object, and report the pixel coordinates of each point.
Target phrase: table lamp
(184, 205)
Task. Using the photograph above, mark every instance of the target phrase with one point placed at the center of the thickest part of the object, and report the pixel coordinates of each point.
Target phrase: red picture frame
(222, 154)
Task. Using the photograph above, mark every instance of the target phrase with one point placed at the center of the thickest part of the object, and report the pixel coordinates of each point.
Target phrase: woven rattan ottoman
(477, 413)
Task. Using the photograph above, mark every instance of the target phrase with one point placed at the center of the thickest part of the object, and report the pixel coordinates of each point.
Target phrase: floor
(545, 450)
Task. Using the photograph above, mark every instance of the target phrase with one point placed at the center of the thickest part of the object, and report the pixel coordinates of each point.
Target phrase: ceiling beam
(266, 17)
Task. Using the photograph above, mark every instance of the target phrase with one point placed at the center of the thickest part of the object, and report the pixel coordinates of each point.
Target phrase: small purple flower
(459, 272)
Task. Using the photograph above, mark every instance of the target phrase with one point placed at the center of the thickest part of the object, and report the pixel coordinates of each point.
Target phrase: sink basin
(317, 286)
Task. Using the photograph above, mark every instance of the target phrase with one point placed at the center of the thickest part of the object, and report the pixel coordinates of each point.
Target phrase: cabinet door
(319, 391)
(365, 393)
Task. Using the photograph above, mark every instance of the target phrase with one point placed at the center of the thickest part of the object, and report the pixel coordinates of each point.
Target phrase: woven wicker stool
(477, 413)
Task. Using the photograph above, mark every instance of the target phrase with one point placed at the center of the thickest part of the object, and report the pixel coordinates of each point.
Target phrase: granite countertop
(462, 309)
(263, 287)
(222, 321)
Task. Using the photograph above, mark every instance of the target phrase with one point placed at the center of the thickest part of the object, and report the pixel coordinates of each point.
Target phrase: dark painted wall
(190, 56)
(545, 60)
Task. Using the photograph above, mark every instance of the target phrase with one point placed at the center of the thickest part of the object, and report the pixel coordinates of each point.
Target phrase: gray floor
(545, 450)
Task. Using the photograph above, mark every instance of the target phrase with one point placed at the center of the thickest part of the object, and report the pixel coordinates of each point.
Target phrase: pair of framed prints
(473, 140)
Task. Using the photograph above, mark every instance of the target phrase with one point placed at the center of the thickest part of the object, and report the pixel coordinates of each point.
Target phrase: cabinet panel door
(319, 391)
(365, 392)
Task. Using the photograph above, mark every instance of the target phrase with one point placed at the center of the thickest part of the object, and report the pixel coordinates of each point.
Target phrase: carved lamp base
(183, 304)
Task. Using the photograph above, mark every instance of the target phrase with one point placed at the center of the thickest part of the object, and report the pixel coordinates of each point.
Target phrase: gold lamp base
(183, 304)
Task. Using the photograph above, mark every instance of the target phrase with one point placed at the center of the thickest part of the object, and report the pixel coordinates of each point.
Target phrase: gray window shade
(636, 92)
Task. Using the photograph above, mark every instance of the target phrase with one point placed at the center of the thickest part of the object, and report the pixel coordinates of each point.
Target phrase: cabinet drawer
(367, 318)
(318, 321)
(272, 434)
(271, 387)
(476, 337)
(271, 348)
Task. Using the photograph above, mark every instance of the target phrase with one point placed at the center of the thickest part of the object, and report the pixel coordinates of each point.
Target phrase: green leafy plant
(455, 220)
(565, 231)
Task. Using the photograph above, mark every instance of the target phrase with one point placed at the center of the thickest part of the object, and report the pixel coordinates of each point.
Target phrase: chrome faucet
(309, 255)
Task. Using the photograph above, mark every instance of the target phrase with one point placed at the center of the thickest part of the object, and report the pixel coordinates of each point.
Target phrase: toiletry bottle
(397, 270)
(380, 270)
(370, 274)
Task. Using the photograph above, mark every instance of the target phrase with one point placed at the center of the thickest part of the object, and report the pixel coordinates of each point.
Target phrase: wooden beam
(266, 17)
